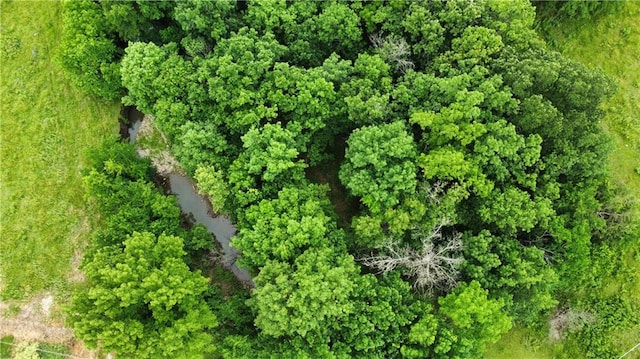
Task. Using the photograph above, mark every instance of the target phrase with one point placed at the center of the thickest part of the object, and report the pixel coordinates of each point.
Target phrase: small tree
(433, 266)
(568, 320)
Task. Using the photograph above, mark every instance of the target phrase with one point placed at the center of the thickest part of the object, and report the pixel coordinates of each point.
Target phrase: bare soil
(34, 323)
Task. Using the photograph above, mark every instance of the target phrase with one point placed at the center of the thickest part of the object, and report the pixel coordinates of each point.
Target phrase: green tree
(143, 301)
(136, 20)
(379, 165)
(283, 228)
(233, 78)
(157, 80)
(211, 182)
(469, 320)
(88, 52)
(204, 18)
(201, 144)
(269, 162)
(366, 94)
(307, 298)
(509, 270)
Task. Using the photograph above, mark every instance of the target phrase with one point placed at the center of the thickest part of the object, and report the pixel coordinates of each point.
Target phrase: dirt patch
(75, 275)
(45, 305)
(32, 322)
(79, 350)
(567, 321)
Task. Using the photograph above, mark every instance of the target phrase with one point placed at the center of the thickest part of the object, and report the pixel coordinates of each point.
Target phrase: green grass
(6, 347)
(611, 43)
(53, 351)
(519, 343)
(46, 126)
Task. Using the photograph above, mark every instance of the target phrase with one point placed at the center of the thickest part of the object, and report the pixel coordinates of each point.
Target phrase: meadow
(46, 127)
(610, 42)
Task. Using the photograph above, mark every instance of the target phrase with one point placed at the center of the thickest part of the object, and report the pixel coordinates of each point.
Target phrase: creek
(193, 204)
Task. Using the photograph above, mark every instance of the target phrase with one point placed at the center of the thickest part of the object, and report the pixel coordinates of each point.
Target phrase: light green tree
(143, 301)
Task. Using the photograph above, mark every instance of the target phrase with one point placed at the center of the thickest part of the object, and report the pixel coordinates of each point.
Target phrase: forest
(407, 180)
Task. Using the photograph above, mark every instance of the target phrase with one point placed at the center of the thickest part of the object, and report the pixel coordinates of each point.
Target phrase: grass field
(46, 126)
(611, 43)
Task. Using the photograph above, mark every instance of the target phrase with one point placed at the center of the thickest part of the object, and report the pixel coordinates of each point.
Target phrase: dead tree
(567, 321)
(433, 267)
(394, 50)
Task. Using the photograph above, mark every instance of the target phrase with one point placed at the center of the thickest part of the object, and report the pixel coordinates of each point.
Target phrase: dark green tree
(88, 51)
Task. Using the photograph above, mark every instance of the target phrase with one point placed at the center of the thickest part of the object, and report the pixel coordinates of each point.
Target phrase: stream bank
(184, 188)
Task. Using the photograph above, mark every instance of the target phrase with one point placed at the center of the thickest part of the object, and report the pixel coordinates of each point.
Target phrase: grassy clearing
(46, 127)
(611, 43)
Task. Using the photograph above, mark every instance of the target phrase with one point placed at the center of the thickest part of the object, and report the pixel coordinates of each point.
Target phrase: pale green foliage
(421, 336)
(468, 313)
(212, 183)
(143, 301)
(449, 164)
(26, 350)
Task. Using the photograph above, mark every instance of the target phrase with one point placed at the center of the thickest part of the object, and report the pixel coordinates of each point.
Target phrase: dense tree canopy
(144, 302)
(446, 117)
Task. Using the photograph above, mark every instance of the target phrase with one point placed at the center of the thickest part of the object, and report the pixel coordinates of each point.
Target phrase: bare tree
(568, 320)
(434, 192)
(394, 50)
(433, 266)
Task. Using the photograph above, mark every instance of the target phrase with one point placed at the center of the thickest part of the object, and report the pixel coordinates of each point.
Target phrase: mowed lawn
(611, 43)
(46, 126)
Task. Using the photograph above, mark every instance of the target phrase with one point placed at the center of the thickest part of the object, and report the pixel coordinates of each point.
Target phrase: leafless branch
(568, 320)
(433, 266)
(394, 50)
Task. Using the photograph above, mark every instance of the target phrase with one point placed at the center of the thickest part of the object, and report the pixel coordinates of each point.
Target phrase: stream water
(131, 120)
(191, 202)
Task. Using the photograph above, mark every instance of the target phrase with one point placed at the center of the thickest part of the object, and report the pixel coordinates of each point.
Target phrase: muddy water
(191, 202)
